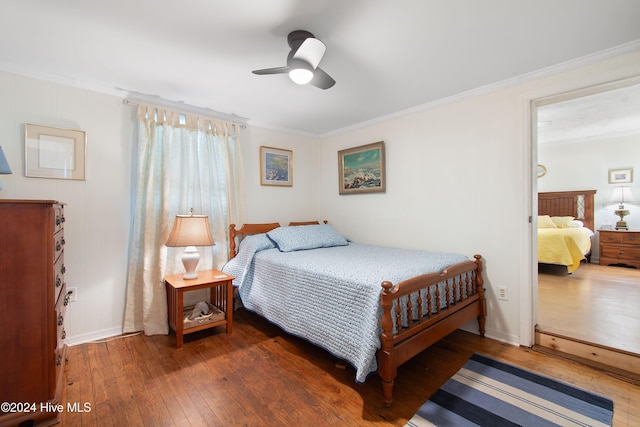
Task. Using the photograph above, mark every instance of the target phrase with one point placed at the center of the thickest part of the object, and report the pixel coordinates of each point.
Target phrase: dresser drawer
(58, 244)
(630, 238)
(60, 313)
(58, 278)
(620, 252)
(607, 237)
(58, 218)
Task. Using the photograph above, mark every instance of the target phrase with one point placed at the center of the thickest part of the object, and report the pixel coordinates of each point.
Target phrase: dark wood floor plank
(260, 376)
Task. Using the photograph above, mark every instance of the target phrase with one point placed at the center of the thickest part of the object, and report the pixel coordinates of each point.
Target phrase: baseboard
(93, 336)
(622, 364)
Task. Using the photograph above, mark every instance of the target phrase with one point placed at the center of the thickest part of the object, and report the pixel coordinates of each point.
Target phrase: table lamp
(619, 196)
(190, 231)
(4, 166)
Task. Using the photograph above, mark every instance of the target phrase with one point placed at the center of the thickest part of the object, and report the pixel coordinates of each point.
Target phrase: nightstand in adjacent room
(221, 302)
(620, 247)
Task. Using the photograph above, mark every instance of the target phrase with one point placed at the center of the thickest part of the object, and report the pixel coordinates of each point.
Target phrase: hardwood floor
(596, 303)
(259, 376)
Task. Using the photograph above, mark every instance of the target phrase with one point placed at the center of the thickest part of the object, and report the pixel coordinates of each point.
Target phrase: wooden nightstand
(221, 290)
(620, 247)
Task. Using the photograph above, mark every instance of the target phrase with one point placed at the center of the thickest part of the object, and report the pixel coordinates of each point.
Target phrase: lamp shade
(621, 195)
(190, 230)
(4, 165)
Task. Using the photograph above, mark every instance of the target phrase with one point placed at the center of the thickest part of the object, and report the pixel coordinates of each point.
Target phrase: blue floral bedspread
(328, 296)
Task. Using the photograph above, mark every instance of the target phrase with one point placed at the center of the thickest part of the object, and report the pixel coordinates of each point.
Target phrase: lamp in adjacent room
(4, 166)
(620, 195)
(190, 231)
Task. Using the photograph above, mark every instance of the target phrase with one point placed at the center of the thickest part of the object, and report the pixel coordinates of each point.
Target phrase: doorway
(578, 137)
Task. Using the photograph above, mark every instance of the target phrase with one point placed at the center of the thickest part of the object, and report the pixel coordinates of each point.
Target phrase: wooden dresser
(620, 247)
(33, 299)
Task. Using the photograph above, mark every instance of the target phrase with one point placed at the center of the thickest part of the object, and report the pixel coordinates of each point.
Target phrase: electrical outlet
(73, 294)
(502, 293)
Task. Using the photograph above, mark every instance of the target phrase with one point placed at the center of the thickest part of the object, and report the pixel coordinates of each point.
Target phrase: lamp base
(622, 224)
(190, 259)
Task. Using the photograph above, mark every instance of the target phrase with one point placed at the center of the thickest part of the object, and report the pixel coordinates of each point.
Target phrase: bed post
(480, 289)
(387, 369)
(232, 241)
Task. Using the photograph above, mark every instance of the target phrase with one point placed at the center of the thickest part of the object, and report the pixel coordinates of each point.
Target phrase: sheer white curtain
(183, 162)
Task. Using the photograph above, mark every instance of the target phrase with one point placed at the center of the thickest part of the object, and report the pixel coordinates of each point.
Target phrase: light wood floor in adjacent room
(259, 376)
(599, 304)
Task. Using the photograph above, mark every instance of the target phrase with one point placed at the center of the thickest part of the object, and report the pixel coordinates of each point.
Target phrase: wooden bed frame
(465, 301)
(578, 204)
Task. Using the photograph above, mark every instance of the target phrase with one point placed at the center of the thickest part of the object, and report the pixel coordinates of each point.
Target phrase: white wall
(585, 166)
(281, 204)
(97, 210)
(459, 178)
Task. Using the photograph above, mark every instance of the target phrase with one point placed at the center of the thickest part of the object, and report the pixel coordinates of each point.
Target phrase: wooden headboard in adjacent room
(578, 204)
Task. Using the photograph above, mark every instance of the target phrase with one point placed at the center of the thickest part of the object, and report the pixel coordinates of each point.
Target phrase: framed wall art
(361, 169)
(276, 167)
(54, 152)
(621, 176)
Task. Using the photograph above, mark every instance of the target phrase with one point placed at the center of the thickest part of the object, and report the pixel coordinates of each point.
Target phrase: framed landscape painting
(361, 169)
(276, 167)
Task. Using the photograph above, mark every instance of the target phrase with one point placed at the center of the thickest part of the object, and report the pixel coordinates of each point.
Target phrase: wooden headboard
(235, 236)
(578, 204)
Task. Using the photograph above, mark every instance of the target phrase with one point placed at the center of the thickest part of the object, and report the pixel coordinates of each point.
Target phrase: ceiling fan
(302, 61)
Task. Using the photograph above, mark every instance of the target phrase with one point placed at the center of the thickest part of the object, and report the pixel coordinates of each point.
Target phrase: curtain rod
(135, 98)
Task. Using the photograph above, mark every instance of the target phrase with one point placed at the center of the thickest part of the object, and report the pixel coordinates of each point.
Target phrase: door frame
(531, 103)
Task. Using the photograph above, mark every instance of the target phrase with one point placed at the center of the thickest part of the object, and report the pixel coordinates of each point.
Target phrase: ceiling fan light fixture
(301, 76)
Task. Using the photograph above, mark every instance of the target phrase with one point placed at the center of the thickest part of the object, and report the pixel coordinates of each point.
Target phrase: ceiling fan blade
(276, 70)
(311, 50)
(321, 79)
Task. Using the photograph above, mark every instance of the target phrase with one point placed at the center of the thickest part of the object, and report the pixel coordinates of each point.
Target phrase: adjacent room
(272, 213)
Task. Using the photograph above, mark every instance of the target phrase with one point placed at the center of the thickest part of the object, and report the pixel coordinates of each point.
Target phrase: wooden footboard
(463, 301)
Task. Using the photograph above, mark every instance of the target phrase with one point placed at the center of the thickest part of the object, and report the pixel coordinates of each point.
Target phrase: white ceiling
(611, 113)
(386, 56)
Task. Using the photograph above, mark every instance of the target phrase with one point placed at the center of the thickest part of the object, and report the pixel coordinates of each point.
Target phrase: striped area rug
(485, 392)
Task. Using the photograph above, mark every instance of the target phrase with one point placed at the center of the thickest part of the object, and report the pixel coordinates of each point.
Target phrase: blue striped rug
(485, 392)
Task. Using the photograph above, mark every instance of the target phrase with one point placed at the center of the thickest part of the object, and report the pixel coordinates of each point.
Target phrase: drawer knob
(632, 238)
(621, 252)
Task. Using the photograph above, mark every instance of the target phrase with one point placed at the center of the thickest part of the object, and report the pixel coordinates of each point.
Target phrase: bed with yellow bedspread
(567, 245)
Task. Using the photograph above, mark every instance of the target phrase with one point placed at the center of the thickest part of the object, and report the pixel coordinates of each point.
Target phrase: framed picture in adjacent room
(361, 169)
(621, 176)
(54, 152)
(276, 167)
